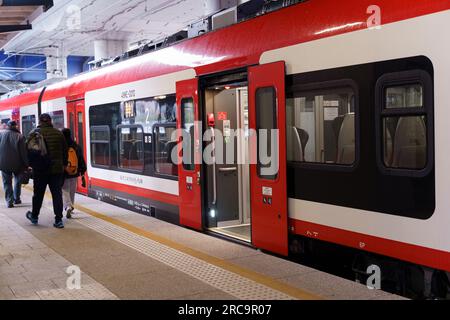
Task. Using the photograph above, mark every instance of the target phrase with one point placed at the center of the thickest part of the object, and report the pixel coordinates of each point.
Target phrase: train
(360, 110)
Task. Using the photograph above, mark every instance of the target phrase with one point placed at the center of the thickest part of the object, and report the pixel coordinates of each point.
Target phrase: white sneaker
(69, 212)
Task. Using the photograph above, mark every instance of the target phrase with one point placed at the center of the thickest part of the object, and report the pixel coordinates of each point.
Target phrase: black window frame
(155, 172)
(149, 168)
(58, 113)
(27, 119)
(320, 87)
(258, 127)
(398, 79)
(107, 129)
(130, 126)
(187, 167)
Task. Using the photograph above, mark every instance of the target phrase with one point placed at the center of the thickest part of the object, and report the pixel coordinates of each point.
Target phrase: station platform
(124, 255)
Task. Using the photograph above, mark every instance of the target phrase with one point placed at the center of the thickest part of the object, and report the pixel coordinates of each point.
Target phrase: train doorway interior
(228, 177)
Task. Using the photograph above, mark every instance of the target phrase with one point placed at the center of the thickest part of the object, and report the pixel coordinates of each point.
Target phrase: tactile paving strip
(224, 280)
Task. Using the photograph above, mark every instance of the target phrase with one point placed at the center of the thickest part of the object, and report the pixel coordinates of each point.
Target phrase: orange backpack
(72, 165)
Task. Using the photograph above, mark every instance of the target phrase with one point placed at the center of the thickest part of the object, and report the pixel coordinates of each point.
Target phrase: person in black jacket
(52, 173)
(13, 161)
(73, 171)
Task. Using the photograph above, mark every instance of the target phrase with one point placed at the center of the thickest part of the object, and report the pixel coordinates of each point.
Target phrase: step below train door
(268, 183)
(190, 151)
(76, 123)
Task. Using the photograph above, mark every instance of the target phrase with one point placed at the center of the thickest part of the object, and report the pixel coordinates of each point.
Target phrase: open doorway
(228, 177)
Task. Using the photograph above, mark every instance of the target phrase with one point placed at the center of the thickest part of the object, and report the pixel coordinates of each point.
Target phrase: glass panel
(100, 147)
(144, 113)
(164, 145)
(57, 119)
(407, 96)
(28, 124)
(405, 142)
(266, 111)
(108, 117)
(321, 126)
(168, 109)
(187, 123)
(80, 128)
(72, 123)
(131, 155)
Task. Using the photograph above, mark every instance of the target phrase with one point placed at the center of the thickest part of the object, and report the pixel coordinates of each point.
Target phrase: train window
(80, 128)
(187, 123)
(408, 96)
(405, 109)
(100, 146)
(131, 127)
(57, 119)
(165, 142)
(405, 142)
(131, 147)
(266, 122)
(108, 117)
(72, 123)
(168, 110)
(28, 124)
(321, 125)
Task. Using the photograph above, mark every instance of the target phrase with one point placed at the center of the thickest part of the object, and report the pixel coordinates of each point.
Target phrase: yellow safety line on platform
(252, 275)
(249, 274)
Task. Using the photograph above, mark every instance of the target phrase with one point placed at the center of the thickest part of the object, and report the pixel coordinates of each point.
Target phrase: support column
(56, 63)
(212, 6)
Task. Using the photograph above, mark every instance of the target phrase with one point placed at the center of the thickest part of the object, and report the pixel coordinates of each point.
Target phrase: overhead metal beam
(12, 28)
(47, 4)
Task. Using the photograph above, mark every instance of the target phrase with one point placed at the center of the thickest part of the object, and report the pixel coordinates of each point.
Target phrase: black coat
(13, 152)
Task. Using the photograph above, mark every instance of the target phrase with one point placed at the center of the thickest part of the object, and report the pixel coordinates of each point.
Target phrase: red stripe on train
(140, 192)
(408, 252)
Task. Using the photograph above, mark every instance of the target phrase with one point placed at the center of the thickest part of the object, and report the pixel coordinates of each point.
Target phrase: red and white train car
(361, 111)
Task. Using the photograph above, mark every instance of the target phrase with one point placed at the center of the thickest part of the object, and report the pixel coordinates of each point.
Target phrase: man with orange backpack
(76, 166)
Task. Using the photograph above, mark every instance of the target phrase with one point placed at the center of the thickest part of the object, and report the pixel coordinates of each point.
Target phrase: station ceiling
(14, 18)
(73, 25)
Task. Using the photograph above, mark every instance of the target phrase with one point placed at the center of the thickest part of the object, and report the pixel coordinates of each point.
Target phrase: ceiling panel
(130, 21)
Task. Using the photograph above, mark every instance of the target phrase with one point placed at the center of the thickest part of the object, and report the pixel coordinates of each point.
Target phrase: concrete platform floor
(124, 255)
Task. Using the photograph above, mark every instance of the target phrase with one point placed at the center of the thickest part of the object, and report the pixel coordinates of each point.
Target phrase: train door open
(226, 155)
(76, 122)
(189, 169)
(267, 116)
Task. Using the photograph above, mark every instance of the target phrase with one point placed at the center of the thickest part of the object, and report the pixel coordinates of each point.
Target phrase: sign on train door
(189, 147)
(76, 122)
(268, 169)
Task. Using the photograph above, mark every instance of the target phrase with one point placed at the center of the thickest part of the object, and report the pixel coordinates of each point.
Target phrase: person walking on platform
(76, 167)
(13, 162)
(47, 154)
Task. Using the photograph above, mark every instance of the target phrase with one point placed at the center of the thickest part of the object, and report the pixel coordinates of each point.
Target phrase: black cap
(12, 123)
(45, 117)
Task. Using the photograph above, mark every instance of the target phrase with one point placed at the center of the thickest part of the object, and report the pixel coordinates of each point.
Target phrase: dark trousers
(55, 183)
(11, 194)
